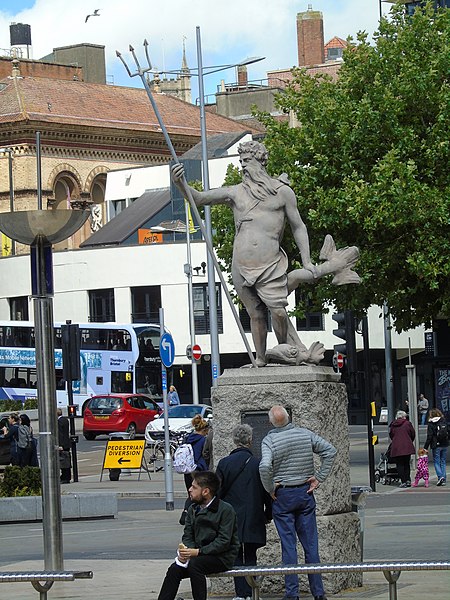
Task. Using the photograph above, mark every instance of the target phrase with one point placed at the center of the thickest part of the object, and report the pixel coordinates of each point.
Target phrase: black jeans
(198, 567)
(403, 467)
(246, 556)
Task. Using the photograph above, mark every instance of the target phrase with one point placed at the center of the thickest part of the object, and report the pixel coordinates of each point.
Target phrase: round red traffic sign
(196, 352)
(340, 361)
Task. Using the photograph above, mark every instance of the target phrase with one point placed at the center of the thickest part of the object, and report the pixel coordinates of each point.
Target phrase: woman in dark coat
(402, 435)
(242, 488)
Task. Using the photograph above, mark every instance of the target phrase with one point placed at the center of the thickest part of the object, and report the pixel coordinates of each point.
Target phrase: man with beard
(261, 205)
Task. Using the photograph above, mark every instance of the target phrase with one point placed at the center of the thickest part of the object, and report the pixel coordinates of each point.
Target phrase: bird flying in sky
(96, 13)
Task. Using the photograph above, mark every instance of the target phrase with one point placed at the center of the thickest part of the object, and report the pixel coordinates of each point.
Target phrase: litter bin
(359, 495)
(114, 474)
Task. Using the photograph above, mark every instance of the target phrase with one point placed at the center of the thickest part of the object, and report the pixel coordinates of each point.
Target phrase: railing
(391, 571)
(42, 581)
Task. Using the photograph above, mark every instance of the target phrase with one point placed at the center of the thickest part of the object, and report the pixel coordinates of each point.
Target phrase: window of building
(145, 304)
(101, 306)
(201, 308)
(312, 321)
(18, 308)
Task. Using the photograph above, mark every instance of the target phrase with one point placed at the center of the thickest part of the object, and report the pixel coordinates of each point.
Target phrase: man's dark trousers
(294, 513)
(198, 567)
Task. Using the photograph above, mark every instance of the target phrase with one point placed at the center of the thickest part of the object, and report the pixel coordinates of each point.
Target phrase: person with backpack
(25, 442)
(437, 439)
(196, 439)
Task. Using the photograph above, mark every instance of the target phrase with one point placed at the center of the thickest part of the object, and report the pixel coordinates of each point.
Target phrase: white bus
(113, 358)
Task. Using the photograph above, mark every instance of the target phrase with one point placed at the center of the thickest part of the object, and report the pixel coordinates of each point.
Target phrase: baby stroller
(386, 472)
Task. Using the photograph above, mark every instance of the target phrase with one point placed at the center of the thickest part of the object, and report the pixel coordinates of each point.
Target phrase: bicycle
(154, 451)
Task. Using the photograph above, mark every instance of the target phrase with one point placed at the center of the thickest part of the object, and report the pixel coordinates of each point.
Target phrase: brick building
(87, 130)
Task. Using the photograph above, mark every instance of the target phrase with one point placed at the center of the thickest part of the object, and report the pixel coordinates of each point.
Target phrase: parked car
(180, 418)
(111, 413)
(5, 454)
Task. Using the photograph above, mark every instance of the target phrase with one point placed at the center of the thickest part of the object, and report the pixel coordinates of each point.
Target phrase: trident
(140, 72)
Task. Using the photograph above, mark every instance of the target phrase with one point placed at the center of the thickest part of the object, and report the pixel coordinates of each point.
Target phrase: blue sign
(167, 349)
(215, 371)
(164, 380)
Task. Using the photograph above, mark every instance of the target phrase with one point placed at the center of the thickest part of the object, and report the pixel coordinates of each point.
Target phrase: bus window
(121, 382)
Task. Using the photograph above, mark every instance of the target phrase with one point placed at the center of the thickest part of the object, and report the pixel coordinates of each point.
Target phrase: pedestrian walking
(64, 446)
(422, 407)
(11, 432)
(287, 472)
(437, 439)
(422, 471)
(242, 488)
(402, 435)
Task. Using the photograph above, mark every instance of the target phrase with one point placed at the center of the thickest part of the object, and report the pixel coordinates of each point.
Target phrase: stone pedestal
(316, 400)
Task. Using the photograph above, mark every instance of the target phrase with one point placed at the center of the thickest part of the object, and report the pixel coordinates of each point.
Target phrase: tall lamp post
(212, 299)
(40, 229)
(9, 152)
(176, 228)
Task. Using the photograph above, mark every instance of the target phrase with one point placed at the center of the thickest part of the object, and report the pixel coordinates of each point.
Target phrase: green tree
(370, 164)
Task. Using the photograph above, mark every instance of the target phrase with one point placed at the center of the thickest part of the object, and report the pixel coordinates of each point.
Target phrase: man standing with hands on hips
(287, 473)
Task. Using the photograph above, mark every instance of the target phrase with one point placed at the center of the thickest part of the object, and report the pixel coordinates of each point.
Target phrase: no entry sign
(196, 352)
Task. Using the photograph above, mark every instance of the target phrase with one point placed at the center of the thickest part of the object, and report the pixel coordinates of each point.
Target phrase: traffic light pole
(367, 396)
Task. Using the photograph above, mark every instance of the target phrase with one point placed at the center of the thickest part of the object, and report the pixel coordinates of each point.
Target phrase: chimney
(310, 38)
(242, 76)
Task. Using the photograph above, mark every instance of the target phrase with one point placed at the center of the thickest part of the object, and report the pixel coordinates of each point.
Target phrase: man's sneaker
(403, 486)
(440, 481)
(238, 598)
(320, 598)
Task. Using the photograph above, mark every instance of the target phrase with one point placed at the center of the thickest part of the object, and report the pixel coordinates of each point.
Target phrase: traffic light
(346, 331)
(71, 351)
(72, 411)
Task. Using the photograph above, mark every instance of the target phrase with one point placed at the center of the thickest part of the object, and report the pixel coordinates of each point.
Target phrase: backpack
(24, 436)
(183, 459)
(442, 433)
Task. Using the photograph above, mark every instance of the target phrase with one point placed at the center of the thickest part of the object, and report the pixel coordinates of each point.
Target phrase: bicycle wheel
(153, 458)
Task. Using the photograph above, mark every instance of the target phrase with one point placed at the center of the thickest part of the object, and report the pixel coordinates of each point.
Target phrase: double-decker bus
(113, 358)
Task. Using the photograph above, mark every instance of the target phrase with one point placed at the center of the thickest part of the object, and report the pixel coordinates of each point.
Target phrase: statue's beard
(257, 183)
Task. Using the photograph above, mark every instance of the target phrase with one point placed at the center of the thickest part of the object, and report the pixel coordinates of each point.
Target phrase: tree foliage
(370, 164)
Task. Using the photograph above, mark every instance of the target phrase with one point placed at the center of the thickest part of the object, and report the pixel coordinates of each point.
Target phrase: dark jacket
(402, 435)
(63, 433)
(197, 442)
(13, 435)
(253, 505)
(213, 530)
(432, 435)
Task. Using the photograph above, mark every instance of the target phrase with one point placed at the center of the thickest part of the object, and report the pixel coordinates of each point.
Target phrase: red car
(110, 413)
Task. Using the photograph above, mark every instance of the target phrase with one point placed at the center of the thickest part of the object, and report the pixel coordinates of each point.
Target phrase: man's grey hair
(256, 149)
(278, 416)
(400, 414)
(242, 435)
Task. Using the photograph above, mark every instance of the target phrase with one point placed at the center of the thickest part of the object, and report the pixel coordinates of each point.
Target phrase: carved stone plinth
(316, 400)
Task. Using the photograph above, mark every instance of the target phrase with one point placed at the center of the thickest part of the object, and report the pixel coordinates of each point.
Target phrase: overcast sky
(231, 30)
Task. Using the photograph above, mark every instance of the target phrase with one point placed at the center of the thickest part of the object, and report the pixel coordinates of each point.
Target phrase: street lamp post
(212, 298)
(40, 229)
(9, 152)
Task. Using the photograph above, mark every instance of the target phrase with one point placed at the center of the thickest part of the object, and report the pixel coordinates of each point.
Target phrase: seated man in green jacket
(210, 540)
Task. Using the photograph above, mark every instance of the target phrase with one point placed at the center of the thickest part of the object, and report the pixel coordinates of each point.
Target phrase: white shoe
(240, 598)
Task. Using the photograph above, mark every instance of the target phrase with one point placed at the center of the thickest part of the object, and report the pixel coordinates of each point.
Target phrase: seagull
(94, 14)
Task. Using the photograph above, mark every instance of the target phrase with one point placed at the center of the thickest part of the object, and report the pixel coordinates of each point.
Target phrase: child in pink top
(422, 468)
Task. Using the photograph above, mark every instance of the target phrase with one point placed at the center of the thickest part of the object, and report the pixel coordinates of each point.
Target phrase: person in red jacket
(402, 435)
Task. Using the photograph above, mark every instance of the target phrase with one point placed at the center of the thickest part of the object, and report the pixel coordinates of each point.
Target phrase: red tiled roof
(96, 105)
(336, 42)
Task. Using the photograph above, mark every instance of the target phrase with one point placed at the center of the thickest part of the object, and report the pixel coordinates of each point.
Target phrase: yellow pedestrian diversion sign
(124, 454)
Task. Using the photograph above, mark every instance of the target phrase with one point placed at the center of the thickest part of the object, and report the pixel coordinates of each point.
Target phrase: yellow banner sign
(124, 454)
(147, 236)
